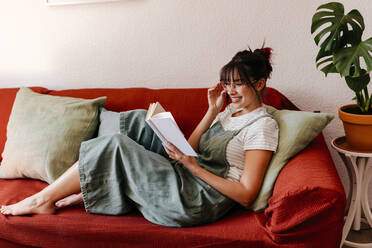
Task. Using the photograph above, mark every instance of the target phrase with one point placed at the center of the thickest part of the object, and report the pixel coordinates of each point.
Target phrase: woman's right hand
(216, 97)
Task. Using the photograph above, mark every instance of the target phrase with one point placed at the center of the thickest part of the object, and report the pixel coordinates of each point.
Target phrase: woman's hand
(216, 97)
(188, 161)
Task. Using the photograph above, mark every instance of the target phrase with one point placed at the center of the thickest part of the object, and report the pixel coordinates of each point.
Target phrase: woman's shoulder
(262, 134)
(267, 123)
(268, 120)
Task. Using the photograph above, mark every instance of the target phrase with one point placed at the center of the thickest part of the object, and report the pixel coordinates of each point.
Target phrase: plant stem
(366, 94)
(367, 99)
(359, 98)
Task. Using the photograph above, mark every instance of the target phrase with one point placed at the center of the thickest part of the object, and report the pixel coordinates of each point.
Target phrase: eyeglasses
(235, 85)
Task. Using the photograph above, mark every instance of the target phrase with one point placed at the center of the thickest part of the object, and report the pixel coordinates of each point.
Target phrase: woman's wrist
(213, 112)
(193, 167)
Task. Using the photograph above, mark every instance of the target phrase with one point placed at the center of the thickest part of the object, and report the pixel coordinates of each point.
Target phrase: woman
(133, 169)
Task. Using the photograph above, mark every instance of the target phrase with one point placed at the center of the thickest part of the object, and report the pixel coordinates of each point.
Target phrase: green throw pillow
(44, 134)
(296, 130)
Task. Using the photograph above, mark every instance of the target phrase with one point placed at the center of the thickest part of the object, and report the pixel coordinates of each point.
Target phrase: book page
(154, 109)
(149, 111)
(157, 109)
(164, 115)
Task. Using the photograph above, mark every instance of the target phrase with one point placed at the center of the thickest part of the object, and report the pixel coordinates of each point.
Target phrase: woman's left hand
(216, 97)
(188, 161)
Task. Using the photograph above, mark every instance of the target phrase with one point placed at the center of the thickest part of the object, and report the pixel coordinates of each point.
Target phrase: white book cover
(166, 128)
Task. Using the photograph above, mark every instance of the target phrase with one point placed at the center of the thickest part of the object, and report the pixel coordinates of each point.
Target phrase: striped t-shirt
(260, 135)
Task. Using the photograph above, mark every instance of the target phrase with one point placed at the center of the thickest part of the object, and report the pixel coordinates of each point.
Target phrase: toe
(4, 210)
(58, 204)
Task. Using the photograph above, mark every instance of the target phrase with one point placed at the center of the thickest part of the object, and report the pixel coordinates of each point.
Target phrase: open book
(166, 128)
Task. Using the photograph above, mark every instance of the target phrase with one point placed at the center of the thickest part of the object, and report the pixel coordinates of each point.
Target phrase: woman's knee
(120, 140)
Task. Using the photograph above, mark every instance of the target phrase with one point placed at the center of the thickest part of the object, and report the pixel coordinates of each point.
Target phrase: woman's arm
(243, 192)
(203, 125)
(216, 96)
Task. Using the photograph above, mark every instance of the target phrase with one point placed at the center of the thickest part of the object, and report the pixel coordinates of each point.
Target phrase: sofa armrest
(308, 196)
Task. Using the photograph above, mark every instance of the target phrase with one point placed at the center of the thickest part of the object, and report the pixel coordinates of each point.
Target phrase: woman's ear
(260, 84)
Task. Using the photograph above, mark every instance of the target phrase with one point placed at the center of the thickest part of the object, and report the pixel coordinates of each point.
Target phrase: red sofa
(305, 210)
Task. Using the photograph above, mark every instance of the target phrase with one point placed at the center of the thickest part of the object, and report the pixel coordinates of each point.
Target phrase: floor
(362, 236)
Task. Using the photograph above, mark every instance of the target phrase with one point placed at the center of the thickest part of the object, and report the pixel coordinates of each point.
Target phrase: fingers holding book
(176, 154)
(172, 151)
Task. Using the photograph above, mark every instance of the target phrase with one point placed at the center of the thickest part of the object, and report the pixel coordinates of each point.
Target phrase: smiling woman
(245, 76)
(66, 2)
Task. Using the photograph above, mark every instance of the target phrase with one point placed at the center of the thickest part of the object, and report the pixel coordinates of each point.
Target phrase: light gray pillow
(109, 122)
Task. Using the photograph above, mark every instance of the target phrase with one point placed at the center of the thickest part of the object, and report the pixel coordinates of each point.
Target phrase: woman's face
(241, 94)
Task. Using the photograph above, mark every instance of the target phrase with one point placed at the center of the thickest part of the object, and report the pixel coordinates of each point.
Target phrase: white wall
(168, 43)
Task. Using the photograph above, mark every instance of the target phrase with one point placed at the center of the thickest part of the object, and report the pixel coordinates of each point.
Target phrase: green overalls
(132, 169)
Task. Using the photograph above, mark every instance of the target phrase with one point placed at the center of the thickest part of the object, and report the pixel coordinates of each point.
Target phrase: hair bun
(267, 51)
(242, 56)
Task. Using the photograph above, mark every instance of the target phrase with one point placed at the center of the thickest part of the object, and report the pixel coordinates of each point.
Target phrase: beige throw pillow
(44, 134)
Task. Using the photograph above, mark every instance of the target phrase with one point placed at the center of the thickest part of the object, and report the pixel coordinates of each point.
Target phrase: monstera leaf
(350, 57)
(333, 15)
(326, 59)
(357, 84)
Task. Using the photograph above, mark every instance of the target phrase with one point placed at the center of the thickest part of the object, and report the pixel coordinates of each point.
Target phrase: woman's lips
(235, 99)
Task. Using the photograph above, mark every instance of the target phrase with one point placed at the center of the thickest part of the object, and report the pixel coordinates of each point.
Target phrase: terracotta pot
(358, 128)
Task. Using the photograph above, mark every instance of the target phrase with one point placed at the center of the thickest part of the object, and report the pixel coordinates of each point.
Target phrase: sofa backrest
(187, 105)
(7, 96)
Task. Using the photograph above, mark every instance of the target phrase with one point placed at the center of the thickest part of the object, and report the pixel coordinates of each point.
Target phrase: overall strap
(253, 121)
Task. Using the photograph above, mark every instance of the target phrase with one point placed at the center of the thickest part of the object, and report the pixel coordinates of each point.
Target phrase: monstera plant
(343, 51)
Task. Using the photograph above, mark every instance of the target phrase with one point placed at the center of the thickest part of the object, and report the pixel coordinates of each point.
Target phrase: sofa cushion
(108, 122)
(74, 227)
(7, 96)
(44, 134)
(296, 130)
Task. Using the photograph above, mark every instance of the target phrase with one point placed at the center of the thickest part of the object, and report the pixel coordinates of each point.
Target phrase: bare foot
(35, 204)
(70, 200)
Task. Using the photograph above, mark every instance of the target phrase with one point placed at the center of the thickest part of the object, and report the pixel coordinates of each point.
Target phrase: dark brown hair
(250, 65)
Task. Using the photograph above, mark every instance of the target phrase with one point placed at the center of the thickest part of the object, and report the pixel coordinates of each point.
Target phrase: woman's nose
(232, 88)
